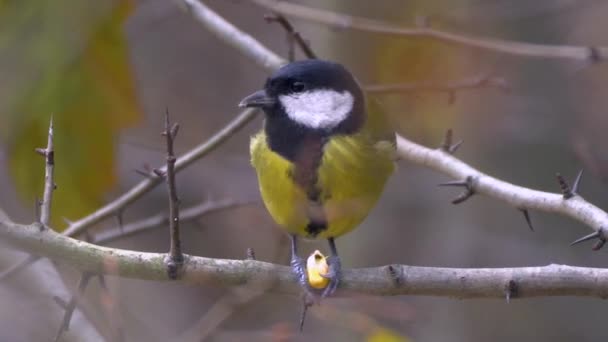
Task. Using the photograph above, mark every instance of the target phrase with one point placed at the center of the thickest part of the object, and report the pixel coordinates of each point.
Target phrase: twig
(291, 32)
(146, 224)
(591, 54)
(16, 268)
(49, 180)
(175, 258)
(475, 82)
(148, 184)
(552, 280)
(70, 306)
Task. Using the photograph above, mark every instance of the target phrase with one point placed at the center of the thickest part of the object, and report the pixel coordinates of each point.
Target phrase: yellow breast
(351, 177)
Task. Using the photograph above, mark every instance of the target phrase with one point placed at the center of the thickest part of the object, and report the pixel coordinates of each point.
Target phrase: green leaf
(72, 64)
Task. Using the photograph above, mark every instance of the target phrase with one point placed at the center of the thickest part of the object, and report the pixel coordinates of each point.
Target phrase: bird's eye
(297, 87)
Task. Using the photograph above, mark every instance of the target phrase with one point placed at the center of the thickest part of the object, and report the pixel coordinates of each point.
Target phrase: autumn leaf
(70, 60)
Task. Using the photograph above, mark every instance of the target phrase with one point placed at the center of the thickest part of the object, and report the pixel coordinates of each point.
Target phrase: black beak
(258, 99)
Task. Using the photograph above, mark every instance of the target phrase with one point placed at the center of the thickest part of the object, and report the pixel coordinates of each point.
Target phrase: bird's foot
(298, 267)
(334, 275)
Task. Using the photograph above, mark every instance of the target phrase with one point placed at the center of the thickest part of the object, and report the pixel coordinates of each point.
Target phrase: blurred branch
(475, 82)
(136, 192)
(552, 280)
(70, 306)
(225, 31)
(592, 54)
(158, 220)
(293, 36)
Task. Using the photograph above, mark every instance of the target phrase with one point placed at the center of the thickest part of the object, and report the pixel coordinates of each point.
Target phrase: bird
(322, 158)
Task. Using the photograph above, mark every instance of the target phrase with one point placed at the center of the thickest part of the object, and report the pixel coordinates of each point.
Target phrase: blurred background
(107, 70)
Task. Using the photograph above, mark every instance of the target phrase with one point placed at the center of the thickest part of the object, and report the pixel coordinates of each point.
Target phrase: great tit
(323, 156)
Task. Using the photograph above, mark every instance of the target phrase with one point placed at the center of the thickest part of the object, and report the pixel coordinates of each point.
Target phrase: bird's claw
(334, 275)
(298, 267)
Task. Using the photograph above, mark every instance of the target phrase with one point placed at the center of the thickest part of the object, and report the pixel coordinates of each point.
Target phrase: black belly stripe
(315, 228)
(306, 167)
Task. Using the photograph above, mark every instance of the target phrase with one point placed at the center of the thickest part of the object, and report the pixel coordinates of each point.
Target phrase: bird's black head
(310, 97)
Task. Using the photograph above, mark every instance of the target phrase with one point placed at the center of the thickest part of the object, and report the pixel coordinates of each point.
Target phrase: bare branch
(293, 34)
(49, 180)
(146, 224)
(70, 306)
(148, 184)
(18, 267)
(552, 280)
(590, 54)
(475, 82)
(175, 258)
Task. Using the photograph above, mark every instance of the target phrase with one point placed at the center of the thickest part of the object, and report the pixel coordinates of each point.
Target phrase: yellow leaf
(80, 75)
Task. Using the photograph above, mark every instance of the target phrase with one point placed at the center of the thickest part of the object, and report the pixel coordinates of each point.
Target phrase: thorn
(40, 151)
(158, 172)
(119, 218)
(393, 275)
(510, 290)
(465, 195)
(37, 205)
(527, 217)
(565, 187)
(458, 183)
(306, 303)
(143, 173)
(595, 235)
(250, 254)
(577, 181)
(455, 147)
(447, 140)
(174, 130)
(598, 245)
(167, 130)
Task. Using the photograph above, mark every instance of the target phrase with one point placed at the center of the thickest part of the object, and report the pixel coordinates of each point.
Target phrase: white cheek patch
(319, 109)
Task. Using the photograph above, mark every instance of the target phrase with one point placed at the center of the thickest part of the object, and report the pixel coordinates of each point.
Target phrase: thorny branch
(175, 258)
(551, 280)
(45, 221)
(49, 180)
